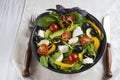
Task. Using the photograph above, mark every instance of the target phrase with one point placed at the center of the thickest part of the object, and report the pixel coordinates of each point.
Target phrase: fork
(28, 55)
(32, 20)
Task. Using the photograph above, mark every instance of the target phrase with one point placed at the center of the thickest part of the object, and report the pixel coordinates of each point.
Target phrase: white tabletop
(10, 18)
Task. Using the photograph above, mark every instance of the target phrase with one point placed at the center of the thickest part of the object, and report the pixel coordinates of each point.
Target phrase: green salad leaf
(65, 69)
(53, 58)
(45, 21)
(79, 18)
(90, 49)
(56, 55)
(56, 15)
(76, 66)
(44, 61)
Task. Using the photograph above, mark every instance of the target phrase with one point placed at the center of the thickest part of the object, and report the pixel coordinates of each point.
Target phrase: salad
(66, 41)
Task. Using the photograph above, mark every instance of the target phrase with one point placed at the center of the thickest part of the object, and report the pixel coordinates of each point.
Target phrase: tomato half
(84, 40)
(43, 49)
(54, 27)
(66, 36)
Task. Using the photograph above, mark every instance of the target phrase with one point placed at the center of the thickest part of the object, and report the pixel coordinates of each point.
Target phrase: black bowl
(88, 16)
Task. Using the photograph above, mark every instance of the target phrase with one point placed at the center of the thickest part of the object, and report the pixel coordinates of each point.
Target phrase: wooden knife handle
(27, 62)
(108, 61)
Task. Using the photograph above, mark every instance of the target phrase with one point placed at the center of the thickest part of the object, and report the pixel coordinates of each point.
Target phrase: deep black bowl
(88, 16)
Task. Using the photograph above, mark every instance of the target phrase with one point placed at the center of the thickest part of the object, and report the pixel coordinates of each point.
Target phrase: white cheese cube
(63, 48)
(77, 31)
(41, 33)
(87, 60)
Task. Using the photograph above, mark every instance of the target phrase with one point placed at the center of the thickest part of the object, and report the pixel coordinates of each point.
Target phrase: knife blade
(108, 58)
(106, 25)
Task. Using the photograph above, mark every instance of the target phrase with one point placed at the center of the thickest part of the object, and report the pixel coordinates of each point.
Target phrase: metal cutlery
(28, 55)
(108, 57)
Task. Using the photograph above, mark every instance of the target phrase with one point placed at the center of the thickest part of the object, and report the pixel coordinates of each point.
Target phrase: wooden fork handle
(27, 62)
(108, 61)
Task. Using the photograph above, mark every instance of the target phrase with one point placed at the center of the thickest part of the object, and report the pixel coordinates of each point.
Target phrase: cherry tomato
(66, 36)
(43, 49)
(84, 40)
(73, 57)
(54, 27)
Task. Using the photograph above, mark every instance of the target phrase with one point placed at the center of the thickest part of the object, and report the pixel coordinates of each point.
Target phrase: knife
(108, 57)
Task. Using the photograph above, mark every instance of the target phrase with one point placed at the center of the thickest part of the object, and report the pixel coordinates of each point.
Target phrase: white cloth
(96, 7)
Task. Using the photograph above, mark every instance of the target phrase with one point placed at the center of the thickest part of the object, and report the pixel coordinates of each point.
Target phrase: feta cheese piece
(87, 60)
(63, 48)
(60, 58)
(41, 33)
(77, 31)
(73, 40)
(44, 41)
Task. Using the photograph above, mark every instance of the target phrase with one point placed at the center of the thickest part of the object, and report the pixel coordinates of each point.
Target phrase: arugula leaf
(68, 45)
(90, 49)
(45, 21)
(79, 18)
(44, 61)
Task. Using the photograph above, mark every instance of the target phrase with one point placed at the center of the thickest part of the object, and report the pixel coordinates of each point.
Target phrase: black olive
(85, 27)
(78, 48)
(37, 38)
(87, 54)
(56, 40)
(94, 32)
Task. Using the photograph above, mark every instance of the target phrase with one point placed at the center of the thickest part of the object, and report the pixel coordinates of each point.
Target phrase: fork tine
(32, 20)
(33, 17)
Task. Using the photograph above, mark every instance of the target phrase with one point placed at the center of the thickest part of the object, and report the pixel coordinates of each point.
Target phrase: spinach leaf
(44, 61)
(56, 15)
(45, 21)
(79, 18)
